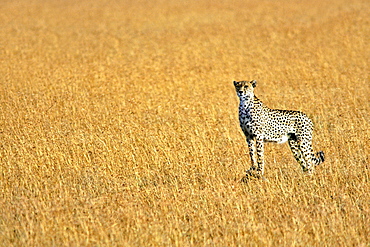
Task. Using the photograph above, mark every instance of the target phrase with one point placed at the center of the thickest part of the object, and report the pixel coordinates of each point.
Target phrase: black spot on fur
(292, 136)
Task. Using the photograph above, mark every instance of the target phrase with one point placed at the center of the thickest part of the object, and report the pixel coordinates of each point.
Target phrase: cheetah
(261, 124)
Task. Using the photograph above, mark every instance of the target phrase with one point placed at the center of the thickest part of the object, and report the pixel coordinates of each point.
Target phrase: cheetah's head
(244, 89)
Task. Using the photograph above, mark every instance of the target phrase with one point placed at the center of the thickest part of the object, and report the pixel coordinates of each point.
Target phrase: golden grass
(119, 126)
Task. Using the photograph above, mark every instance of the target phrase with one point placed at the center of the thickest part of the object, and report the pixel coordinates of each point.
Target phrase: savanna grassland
(119, 122)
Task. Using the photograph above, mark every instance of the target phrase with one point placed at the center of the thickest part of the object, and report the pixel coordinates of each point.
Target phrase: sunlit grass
(119, 126)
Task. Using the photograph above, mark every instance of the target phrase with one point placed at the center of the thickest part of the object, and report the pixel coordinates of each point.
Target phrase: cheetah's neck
(250, 103)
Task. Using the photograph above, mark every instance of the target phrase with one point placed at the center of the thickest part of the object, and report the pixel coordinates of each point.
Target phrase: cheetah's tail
(321, 157)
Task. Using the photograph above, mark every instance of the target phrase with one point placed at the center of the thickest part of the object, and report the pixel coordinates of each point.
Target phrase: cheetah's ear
(235, 83)
(254, 83)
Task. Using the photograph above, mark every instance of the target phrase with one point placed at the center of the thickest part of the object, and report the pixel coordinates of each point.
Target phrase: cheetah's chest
(245, 119)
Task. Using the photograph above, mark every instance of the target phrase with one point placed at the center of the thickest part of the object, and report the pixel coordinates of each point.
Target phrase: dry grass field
(119, 122)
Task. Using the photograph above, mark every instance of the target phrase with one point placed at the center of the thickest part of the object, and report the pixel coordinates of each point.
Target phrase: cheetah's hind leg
(312, 159)
(294, 147)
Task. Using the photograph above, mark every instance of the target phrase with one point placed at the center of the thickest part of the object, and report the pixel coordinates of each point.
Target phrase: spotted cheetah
(261, 124)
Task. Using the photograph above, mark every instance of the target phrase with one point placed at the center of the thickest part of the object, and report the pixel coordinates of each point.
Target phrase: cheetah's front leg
(252, 151)
(256, 152)
(260, 156)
